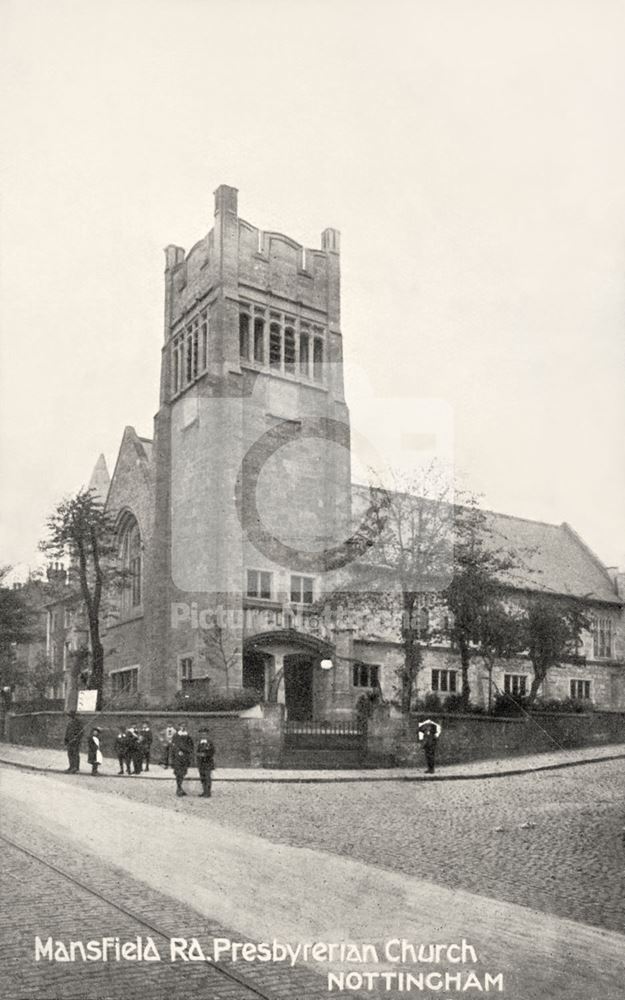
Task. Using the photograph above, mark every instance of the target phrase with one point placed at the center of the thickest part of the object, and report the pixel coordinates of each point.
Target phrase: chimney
(173, 256)
(331, 240)
(56, 573)
(226, 200)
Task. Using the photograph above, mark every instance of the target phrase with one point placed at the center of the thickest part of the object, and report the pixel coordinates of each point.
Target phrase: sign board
(86, 701)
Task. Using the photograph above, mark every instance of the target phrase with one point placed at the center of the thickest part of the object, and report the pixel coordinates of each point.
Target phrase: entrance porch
(285, 666)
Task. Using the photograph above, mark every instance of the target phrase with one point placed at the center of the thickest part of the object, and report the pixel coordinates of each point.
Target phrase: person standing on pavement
(121, 750)
(182, 755)
(94, 754)
(146, 745)
(429, 733)
(73, 737)
(135, 754)
(205, 757)
(167, 737)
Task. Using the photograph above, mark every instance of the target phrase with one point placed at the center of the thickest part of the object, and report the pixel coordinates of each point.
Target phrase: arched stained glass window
(131, 558)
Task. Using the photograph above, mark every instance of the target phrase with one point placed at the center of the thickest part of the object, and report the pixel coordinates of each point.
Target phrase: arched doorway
(288, 661)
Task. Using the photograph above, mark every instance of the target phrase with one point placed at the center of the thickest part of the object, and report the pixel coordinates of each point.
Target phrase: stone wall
(255, 738)
(393, 741)
(236, 739)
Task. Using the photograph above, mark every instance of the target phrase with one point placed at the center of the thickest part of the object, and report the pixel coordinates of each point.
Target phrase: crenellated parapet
(247, 260)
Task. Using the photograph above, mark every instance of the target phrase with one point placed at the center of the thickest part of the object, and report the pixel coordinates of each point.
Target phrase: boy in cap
(205, 756)
(94, 754)
(182, 754)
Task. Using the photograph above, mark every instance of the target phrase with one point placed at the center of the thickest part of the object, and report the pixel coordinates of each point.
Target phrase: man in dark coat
(146, 745)
(182, 755)
(73, 737)
(428, 735)
(121, 750)
(135, 753)
(205, 757)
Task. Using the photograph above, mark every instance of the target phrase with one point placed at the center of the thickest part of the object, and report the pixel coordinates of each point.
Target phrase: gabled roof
(555, 559)
(552, 558)
(147, 447)
(132, 480)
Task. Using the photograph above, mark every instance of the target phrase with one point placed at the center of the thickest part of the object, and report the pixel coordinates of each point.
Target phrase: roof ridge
(483, 510)
(527, 520)
(593, 555)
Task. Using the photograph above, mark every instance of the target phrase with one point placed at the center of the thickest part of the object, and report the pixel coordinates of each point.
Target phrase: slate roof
(555, 559)
(552, 557)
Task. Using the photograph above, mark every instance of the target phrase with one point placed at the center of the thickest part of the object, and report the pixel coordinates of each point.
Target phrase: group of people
(133, 746)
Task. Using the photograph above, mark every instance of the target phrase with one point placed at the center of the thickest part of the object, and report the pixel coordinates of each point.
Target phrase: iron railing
(324, 728)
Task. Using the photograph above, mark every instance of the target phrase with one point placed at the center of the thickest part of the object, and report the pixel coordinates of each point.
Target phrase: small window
(289, 350)
(515, 685)
(259, 584)
(318, 359)
(177, 375)
(125, 681)
(580, 690)
(444, 681)
(259, 339)
(304, 353)
(204, 342)
(186, 668)
(195, 367)
(302, 589)
(275, 346)
(244, 336)
(602, 638)
(176, 371)
(189, 358)
(366, 675)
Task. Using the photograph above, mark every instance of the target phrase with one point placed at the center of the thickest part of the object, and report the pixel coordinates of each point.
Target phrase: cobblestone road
(552, 841)
(38, 901)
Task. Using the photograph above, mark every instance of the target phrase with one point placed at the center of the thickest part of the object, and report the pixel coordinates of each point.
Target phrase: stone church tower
(251, 458)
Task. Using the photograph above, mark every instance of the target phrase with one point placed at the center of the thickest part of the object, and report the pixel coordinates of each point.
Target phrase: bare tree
(220, 651)
(411, 557)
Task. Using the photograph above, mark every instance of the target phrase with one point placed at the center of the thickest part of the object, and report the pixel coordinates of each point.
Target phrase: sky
(472, 154)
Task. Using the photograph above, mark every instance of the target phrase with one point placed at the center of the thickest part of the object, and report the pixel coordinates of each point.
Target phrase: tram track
(251, 989)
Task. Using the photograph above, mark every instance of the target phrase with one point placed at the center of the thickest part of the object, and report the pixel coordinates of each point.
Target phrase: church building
(235, 517)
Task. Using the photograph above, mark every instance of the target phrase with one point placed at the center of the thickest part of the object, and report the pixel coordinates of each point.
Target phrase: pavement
(45, 759)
